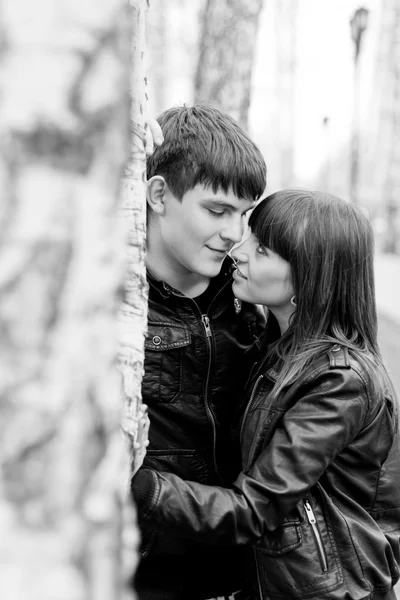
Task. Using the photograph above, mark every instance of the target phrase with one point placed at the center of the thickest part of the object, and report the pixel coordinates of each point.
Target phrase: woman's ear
(156, 190)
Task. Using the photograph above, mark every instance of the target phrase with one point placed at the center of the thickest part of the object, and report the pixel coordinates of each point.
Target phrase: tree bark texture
(64, 121)
(133, 311)
(226, 55)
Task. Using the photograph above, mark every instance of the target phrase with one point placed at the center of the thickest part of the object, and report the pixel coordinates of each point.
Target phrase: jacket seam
(366, 389)
(147, 512)
(378, 478)
(355, 549)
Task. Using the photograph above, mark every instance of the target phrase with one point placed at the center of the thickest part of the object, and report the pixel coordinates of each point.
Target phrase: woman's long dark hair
(329, 245)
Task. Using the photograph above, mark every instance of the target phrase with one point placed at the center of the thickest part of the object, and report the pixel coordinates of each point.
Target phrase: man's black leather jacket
(318, 500)
(194, 366)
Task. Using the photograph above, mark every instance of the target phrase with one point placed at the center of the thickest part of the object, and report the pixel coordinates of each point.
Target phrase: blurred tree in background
(226, 57)
(285, 22)
(157, 42)
(172, 45)
(388, 147)
(65, 138)
(203, 52)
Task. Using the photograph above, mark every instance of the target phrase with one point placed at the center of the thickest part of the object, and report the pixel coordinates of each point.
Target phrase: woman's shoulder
(337, 364)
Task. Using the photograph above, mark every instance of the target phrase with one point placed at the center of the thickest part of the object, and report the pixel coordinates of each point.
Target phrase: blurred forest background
(306, 85)
(309, 94)
(317, 85)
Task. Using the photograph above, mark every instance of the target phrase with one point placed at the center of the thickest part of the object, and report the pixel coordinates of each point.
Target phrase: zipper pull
(310, 512)
(206, 323)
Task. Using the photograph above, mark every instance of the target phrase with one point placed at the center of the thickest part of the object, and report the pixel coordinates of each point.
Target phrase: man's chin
(211, 271)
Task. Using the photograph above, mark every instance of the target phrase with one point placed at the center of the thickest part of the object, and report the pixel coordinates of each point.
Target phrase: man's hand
(154, 136)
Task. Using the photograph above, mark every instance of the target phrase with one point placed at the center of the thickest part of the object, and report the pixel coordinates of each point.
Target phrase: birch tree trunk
(64, 122)
(132, 316)
(226, 55)
(133, 312)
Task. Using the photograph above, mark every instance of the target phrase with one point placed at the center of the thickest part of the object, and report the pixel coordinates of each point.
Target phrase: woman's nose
(238, 253)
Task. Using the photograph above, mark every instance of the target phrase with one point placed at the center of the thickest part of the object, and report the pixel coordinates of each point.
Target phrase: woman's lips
(238, 273)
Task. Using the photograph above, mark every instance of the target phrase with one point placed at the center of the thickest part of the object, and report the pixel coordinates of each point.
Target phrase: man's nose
(233, 231)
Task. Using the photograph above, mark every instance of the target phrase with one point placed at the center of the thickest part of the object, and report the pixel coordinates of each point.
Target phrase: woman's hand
(142, 439)
(136, 432)
(154, 136)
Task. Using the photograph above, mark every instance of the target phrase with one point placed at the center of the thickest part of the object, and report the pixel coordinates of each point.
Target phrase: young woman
(317, 503)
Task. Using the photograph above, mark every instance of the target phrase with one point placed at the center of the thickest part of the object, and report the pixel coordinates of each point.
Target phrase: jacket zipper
(249, 404)
(207, 327)
(258, 574)
(313, 522)
(206, 323)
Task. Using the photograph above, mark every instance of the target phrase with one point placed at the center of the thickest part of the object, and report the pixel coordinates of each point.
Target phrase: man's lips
(219, 250)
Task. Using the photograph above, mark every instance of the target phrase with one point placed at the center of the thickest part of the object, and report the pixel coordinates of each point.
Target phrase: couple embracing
(273, 465)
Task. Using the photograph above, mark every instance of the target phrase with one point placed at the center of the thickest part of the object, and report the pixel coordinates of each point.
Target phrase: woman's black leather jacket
(318, 501)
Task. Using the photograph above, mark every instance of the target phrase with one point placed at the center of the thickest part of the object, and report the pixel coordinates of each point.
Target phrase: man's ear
(156, 190)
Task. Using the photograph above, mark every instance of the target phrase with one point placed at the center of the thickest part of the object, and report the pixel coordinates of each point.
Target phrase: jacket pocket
(164, 346)
(299, 559)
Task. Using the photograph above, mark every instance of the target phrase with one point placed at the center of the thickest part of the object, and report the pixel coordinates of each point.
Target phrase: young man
(202, 181)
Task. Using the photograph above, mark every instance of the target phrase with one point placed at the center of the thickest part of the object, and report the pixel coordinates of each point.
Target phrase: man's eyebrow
(219, 202)
(225, 204)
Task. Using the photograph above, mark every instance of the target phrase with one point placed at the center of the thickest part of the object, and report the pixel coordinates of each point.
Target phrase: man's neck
(190, 284)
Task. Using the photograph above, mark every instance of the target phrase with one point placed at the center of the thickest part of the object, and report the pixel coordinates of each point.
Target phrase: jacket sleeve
(306, 440)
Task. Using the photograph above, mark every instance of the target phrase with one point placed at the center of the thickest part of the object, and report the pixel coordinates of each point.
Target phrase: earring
(238, 305)
(293, 301)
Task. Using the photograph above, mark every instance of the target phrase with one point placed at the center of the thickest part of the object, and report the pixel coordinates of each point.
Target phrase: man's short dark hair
(203, 145)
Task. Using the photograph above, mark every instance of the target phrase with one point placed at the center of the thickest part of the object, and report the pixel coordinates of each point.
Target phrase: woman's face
(262, 276)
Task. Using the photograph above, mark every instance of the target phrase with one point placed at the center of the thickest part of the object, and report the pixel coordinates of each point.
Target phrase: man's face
(197, 232)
